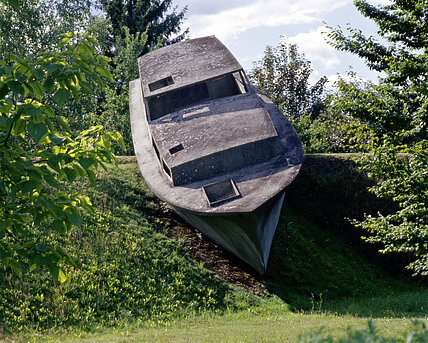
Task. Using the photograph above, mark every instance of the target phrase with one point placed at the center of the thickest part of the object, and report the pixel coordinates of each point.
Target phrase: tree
(39, 24)
(283, 75)
(39, 156)
(145, 16)
(396, 110)
(116, 114)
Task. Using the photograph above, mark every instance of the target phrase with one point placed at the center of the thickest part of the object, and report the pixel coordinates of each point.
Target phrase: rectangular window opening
(166, 169)
(176, 149)
(161, 83)
(156, 149)
(240, 82)
(221, 191)
(160, 106)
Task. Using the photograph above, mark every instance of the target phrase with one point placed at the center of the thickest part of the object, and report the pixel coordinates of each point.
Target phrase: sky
(246, 27)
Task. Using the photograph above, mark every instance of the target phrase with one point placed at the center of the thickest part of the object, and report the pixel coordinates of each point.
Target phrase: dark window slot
(166, 169)
(221, 191)
(176, 149)
(156, 149)
(161, 83)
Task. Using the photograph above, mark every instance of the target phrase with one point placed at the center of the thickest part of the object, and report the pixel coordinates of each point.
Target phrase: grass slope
(133, 276)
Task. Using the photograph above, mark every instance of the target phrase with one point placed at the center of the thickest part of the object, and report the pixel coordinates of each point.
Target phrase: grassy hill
(142, 266)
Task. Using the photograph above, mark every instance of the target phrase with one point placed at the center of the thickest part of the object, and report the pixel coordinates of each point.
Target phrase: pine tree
(161, 24)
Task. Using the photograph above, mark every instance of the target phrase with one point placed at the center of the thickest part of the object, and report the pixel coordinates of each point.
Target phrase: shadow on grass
(318, 261)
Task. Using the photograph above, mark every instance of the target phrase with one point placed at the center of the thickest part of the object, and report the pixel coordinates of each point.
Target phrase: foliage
(129, 272)
(332, 132)
(416, 333)
(39, 155)
(403, 25)
(374, 106)
(116, 114)
(38, 25)
(283, 75)
(404, 231)
(153, 18)
(396, 111)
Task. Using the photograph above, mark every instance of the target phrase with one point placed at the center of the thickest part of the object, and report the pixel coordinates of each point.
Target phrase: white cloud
(229, 23)
(381, 2)
(315, 48)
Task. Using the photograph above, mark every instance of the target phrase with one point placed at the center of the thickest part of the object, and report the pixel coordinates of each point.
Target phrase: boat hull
(247, 235)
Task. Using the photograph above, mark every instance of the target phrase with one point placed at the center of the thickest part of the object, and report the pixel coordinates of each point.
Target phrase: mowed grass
(272, 322)
(318, 278)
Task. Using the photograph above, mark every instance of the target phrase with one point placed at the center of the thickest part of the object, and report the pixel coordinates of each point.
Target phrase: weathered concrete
(178, 61)
(212, 146)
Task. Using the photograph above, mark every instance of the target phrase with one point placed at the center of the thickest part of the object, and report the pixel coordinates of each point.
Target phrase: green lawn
(137, 285)
(270, 323)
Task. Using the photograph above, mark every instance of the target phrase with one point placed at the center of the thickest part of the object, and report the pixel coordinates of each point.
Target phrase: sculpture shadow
(318, 261)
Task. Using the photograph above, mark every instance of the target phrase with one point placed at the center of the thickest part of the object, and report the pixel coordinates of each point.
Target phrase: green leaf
(19, 127)
(4, 89)
(50, 179)
(51, 67)
(75, 218)
(58, 225)
(27, 187)
(46, 203)
(64, 41)
(49, 84)
(61, 96)
(37, 73)
(79, 170)
(86, 163)
(62, 121)
(61, 275)
(42, 247)
(29, 110)
(16, 87)
(71, 173)
(37, 131)
(104, 72)
(67, 34)
(6, 70)
(37, 89)
(56, 140)
(16, 267)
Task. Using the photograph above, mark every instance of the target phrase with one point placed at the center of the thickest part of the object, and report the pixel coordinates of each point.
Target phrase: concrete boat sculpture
(212, 146)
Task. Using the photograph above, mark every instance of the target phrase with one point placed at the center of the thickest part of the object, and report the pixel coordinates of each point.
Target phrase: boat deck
(255, 184)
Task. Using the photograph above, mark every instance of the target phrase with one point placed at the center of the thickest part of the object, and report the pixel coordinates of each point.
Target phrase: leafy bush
(39, 155)
(403, 179)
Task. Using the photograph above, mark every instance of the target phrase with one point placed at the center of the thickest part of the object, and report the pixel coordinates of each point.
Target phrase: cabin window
(160, 106)
(161, 83)
(220, 87)
(221, 191)
(190, 95)
(166, 169)
(240, 83)
(156, 149)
